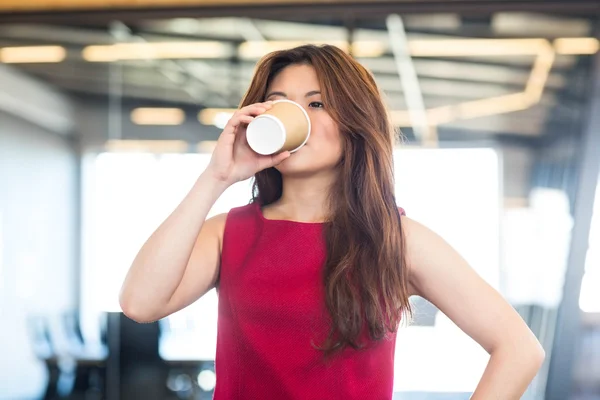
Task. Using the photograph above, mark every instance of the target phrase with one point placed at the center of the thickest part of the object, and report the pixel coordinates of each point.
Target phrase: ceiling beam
(78, 5)
(99, 11)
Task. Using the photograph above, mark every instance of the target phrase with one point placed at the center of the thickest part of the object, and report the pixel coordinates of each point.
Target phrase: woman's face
(323, 150)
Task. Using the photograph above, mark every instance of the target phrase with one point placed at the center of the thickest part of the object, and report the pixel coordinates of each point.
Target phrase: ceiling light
(480, 108)
(494, 105)
(539, 75)
(147, 146)
(363, 48)
(400, 118)
(475, 47)
(156, 50)
(216, 116)
(369, 48)
(32, 54)
(468, 110)
(157, 116)
(583, 45)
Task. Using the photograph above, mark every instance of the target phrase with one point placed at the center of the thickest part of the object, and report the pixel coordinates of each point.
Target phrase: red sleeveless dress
(271, 310)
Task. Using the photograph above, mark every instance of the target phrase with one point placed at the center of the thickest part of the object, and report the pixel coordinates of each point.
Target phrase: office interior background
(110, 110)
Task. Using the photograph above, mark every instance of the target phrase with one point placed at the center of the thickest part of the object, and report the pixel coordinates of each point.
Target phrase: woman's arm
(440, 275)
(180, 261)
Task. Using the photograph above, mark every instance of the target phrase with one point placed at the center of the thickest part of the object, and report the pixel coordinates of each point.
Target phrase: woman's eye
(316, 104)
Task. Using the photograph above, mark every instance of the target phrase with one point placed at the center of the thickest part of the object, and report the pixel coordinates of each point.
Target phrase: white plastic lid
(265, 134)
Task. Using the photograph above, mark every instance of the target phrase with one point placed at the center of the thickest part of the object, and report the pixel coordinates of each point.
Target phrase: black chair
(134, 367)
(89, 355)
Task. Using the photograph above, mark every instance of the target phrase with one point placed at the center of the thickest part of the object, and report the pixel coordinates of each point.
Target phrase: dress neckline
(262, 217)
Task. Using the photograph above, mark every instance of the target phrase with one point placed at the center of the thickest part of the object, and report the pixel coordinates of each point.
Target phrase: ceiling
(69, 5)
(64, 10)
(471, 86)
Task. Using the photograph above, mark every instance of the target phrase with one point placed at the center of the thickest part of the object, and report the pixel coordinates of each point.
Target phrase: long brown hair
(365, 274)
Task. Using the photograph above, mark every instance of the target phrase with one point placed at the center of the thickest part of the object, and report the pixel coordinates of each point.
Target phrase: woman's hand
(232, 159)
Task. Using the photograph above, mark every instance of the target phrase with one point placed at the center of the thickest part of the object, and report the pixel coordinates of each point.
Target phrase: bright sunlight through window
(453, 191)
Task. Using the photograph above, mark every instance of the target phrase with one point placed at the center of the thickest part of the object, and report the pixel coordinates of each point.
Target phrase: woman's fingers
(273, 160)
(278, 158)
(244, 115)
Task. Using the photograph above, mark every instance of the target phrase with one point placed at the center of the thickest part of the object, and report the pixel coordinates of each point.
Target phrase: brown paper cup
(284, 127)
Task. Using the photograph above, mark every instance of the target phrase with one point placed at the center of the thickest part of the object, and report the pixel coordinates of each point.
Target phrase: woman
(315, 274)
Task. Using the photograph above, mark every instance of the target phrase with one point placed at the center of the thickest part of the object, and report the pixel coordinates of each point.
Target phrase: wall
(38, 239)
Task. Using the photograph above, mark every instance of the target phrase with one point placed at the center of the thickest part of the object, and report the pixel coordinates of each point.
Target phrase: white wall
(38, 237)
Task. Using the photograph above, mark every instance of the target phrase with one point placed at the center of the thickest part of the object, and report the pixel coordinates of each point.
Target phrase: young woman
(315, 274)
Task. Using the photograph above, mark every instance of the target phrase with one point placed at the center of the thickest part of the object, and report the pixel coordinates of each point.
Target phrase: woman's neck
(303, 199)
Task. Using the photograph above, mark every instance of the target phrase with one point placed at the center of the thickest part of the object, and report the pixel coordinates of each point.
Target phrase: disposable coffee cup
(284, 127)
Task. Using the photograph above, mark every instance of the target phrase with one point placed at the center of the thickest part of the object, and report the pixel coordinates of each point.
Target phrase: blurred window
(453, 191)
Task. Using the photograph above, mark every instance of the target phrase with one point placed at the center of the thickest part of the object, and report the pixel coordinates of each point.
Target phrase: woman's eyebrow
(281, 94)
(276, 94)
